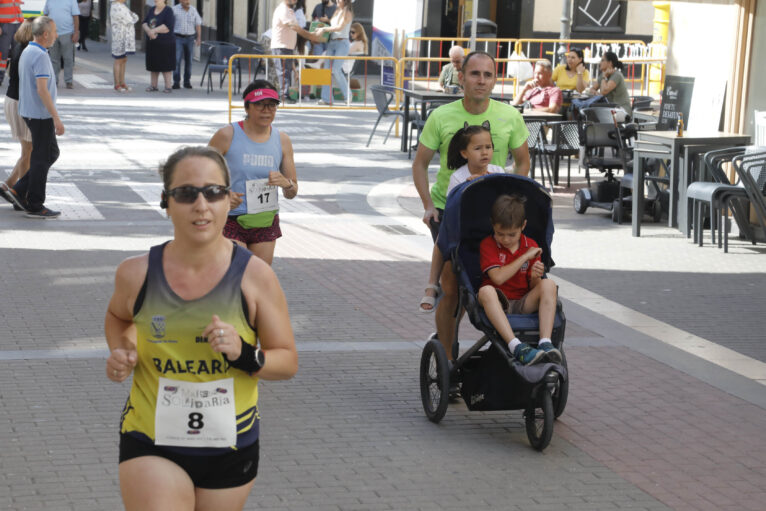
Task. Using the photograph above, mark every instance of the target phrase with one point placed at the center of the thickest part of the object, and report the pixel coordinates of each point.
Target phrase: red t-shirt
(544, 96)
(494, 255)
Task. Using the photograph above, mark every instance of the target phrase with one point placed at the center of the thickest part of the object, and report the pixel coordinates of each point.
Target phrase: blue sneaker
(550, 351)
(527, 355)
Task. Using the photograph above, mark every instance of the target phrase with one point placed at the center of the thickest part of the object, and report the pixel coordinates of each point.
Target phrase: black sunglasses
(189, 194)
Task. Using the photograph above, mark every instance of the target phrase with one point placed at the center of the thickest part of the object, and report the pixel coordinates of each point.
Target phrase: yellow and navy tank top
(170, 345)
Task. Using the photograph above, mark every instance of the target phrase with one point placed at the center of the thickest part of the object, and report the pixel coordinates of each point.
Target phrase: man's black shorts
(227, 470)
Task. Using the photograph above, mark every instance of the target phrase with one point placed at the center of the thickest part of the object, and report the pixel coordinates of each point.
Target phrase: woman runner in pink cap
(260, 159)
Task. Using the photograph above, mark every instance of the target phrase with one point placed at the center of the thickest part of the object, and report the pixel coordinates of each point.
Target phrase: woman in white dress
(122, 21)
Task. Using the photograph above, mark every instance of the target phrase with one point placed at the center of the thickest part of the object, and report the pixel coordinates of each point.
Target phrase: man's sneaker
(43, 213)
(526, 354)
(5, 192)
(176, 86)
(11, 196)
(551, 352)
(188, 86)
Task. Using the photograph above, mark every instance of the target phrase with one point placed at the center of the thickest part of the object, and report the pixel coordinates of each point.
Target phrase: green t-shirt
(619, 95)
(505, 123)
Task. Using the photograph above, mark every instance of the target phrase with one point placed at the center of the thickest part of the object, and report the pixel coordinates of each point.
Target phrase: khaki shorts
(19, 129)
(511, 306)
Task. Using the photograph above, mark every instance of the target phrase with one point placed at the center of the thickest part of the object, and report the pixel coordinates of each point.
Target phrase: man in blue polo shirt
(37, 106)
(66, 14)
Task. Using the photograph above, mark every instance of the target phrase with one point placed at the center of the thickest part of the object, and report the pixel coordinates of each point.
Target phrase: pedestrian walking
(19, 129)
(339, 46)
(283, 42)
(183, 320)
(85, 11)
(10, 19)
(159, 25)
(37, 105)
(188, 29)
(66, 14)
(261, 161)
(123, 41)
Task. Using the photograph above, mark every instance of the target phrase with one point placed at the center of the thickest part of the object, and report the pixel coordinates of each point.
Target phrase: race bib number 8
(195, 414)
(261, 196)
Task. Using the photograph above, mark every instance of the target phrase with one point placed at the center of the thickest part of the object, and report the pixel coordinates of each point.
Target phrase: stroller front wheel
(539, 420)
(434, 380)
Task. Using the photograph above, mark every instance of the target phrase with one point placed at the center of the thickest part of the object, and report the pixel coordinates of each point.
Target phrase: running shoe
(5, 193)
(10, 195)
(43, 213)
(526, 354)
(551, 352)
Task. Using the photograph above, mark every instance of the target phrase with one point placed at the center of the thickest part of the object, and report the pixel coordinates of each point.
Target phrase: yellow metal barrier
(482, 44)
(428, 83)
(589, 47)
(309, 76)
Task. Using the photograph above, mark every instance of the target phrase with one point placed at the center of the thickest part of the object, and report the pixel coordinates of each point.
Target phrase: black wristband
(246, 361)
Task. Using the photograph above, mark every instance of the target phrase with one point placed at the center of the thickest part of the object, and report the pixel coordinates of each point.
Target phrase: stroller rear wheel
(539, 420)
(434, 380)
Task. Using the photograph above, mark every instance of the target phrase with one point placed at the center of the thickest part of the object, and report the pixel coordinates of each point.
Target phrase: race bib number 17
(261, 196)
(195, 414)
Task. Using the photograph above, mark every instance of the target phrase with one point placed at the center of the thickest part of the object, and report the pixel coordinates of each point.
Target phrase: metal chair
(751, 169)
(218, 62)
(536, 142)
(383, 97)
(721, 196)
(565, 141)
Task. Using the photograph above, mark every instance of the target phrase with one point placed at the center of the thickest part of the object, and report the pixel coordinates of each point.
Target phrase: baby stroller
(489, 378)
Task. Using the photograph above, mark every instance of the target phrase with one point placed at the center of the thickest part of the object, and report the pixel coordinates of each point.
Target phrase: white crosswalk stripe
(69, 199)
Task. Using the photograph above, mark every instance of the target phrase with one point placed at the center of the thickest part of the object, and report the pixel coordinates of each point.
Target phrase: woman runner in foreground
(183, 319)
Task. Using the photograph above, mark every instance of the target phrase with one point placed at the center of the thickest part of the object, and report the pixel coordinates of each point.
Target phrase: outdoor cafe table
(425, 97)
(680, 153)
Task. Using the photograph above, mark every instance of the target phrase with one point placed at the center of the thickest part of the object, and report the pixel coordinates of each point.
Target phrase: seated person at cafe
(449, 74)
(611, 82)
(573, 75)
(541, 93)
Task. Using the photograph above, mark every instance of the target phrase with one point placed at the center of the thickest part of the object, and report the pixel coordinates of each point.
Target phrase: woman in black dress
(160, 44)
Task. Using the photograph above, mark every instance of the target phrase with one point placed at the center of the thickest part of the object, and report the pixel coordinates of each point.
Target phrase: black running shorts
(228, 470)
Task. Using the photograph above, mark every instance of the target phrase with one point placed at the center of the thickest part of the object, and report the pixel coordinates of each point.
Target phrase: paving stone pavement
(648, 425)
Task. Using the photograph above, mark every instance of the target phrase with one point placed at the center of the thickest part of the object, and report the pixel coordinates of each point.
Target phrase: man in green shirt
(509, 134)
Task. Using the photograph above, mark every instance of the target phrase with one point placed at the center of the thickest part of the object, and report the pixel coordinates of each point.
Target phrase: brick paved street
(667, 408)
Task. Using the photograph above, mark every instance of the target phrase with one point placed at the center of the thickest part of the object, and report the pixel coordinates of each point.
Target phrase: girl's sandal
(167, 90)
(152, 88)
(429, 300)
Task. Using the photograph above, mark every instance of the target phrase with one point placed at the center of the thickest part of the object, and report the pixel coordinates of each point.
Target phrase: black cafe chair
(218, 62)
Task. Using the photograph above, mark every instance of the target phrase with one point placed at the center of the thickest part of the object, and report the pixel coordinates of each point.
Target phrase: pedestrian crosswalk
(131, 199)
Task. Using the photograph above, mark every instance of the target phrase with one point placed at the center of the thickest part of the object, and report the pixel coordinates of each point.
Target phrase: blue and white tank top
(251, 160)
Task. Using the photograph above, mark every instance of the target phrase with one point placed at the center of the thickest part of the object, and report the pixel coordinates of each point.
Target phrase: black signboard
(599, 16)
(676, 98)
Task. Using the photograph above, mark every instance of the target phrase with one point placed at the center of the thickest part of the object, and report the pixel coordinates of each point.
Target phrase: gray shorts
(511, 306)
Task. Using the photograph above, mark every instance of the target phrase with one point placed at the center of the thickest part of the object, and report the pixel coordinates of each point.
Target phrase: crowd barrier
(644, 67)
(309, 80)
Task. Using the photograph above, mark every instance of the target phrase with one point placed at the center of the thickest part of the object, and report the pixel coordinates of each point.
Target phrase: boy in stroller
(512, 281)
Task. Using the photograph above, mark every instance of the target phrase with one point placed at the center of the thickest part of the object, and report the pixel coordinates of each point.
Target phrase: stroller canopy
(467, 218)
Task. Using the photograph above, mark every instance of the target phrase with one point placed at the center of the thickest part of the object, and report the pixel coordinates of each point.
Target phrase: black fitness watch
(259, 358)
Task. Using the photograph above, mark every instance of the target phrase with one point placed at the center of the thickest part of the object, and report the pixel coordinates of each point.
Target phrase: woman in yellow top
(572, 75)
(197, 321)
